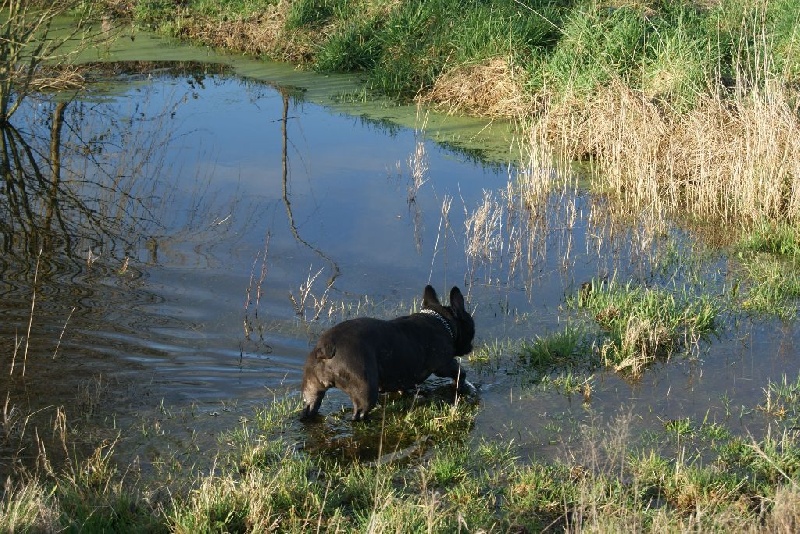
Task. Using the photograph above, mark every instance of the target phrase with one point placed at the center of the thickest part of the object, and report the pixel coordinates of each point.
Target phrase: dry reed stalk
(732, 160)
(30, 322)
(484, 230)
(441, 232)
(418, 167)
(255, 288)
(490, 89)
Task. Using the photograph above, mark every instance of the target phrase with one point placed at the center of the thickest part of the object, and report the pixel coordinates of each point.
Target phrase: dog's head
(313, 387)
(460, 321)
(313, 393)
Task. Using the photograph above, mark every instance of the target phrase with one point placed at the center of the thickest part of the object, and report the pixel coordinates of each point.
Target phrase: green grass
(563, 349)
(671, 51)
(640, 325)
(563, 360)
(776, 239)
(482, 485)
(768, 258)
(782, 400)
(692, 475)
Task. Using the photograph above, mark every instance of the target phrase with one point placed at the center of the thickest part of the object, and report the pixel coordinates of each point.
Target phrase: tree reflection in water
(84, 187)
(69, 192)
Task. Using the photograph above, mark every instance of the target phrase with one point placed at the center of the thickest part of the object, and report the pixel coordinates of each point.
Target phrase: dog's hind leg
(364, 395)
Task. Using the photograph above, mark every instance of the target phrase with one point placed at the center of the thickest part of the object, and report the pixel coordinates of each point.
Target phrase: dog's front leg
(362, 404)
(454, 370)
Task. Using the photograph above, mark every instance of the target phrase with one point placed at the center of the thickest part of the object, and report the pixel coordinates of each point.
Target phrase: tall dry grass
(732, 160)
(492, 88)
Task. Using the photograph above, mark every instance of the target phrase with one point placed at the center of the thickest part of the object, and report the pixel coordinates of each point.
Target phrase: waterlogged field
(168, 265)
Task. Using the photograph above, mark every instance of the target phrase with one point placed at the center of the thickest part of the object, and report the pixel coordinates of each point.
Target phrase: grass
(690, 475)
(766, 261)
(641, 325)
(782, 399)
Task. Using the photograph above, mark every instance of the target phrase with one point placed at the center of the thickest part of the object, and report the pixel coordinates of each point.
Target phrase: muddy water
(208, 221)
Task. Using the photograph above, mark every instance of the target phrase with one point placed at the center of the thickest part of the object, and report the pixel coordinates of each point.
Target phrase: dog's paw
(468, 387)
(359, 416)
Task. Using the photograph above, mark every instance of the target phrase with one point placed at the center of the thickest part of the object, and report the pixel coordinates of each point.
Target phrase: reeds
(723, 150)
(729, 161)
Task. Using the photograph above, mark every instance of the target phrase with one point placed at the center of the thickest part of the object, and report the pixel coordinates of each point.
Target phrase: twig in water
(55, 352)
(444, 220)
(299, 303)
(30, 321)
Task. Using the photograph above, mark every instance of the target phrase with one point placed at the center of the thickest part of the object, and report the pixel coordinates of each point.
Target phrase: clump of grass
(560, 359)
(777, 239)
(782, 399)
(568, 347)
(642, 324)
(63, 489)
(772, 287)
(29, 507)
(770, 270)
(493, 88)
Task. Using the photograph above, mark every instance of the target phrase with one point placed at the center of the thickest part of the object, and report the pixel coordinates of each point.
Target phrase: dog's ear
(457, 300)
(429, 297)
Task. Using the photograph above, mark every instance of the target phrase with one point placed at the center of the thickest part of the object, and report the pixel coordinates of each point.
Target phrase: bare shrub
(308, 306)
(29, 49)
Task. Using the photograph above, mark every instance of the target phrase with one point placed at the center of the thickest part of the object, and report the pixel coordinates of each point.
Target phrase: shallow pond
(209, 220)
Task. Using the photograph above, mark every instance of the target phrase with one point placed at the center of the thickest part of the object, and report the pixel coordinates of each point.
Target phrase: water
(207, 226)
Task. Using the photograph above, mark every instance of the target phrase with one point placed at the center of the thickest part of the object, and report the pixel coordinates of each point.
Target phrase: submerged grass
(768, 264)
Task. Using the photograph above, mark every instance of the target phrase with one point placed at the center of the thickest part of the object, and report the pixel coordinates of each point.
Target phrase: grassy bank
(688, 108)
(689, 476)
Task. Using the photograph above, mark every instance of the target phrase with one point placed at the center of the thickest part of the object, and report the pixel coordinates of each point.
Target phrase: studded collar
(441, 319)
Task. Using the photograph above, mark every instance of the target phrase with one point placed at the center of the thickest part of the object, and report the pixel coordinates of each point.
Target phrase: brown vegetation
(728, 160)
(493, 89)
(258, 34)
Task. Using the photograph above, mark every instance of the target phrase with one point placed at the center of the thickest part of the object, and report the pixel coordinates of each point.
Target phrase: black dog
(364, 356)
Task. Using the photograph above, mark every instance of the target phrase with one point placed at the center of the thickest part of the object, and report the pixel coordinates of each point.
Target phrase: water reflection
(86, 209)
(334, 267)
